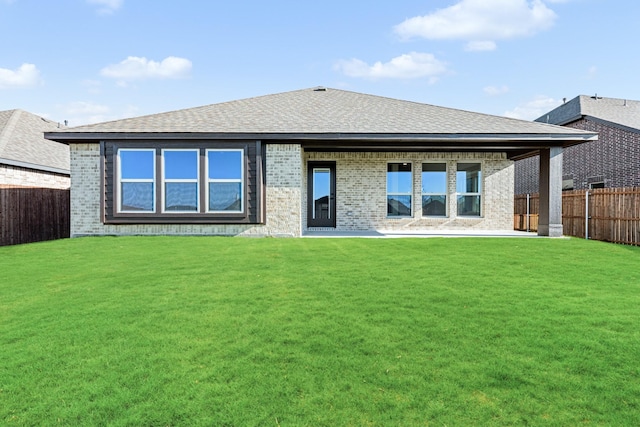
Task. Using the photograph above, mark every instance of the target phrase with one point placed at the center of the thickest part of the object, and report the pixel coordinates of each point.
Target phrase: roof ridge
(5, 133)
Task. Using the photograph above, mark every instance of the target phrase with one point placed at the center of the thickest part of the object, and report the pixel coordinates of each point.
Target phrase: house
(26, 157)
(611, 161)
(307, 160)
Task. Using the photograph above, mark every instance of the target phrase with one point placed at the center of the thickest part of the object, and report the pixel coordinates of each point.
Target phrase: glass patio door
(321, 194)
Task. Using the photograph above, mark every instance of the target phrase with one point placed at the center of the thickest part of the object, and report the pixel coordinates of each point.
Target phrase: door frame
(331, 221)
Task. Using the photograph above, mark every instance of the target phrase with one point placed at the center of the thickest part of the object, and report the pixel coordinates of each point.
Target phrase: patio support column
(550, 219)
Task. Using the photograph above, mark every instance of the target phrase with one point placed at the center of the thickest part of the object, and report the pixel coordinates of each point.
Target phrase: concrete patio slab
(411, 233)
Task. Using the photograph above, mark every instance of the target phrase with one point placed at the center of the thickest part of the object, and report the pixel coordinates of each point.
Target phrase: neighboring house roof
(622, 112)
(22, 143)
(332, 115)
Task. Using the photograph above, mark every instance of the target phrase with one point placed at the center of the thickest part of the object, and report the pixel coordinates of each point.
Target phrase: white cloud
(107, 7)
(407, 66)
(496, 90)
(93, 86)
(25, 76)
(480, 21)
(82, 107)
(137, 68)
(592, 72)
(83, 113)
(533, 109)
(480, 46)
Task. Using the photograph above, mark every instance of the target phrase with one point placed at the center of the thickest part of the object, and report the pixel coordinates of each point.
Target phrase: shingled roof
(621, 112)
(22, 143)
(322, 111)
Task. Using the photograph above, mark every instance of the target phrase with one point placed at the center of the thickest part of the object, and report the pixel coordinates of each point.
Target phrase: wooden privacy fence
(613, 214)
(30, 214)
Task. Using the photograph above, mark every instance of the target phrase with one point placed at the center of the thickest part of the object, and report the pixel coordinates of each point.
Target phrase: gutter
(89, 137)
(33, 166)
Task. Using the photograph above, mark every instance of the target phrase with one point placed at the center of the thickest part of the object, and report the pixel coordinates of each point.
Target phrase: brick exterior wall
(361, 194)
(613, 159)
(14, 175)
(361, 199)
(283, 199)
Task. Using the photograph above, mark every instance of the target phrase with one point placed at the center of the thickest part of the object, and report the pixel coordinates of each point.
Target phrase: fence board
(614, 214)
(30, 214)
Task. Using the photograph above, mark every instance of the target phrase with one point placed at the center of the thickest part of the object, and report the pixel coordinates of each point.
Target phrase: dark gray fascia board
(612, 124)
(68, 137)
(33, 166)
(561, 123)
(593, 119)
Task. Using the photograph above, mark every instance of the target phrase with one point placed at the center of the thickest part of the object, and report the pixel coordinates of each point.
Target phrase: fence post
(586, 215)
(528, 209)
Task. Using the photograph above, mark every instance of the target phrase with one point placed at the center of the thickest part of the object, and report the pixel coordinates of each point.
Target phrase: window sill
(181, 219)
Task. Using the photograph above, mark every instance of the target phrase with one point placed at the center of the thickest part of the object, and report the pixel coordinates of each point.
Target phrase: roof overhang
(516, 145)
(33, 166)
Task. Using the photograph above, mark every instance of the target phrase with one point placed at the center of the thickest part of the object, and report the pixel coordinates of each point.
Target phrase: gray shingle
(22, 142)
(619, 111)
(330, 111)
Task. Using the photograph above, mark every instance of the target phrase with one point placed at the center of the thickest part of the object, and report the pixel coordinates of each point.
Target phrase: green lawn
(162, 331)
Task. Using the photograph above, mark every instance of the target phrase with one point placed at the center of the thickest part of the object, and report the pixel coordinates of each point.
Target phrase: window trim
(478, 193)
(120, 181)
(410, 193)
(597, 184)
(209, 181)
(445, 194)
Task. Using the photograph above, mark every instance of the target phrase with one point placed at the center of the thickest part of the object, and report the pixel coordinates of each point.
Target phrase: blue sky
(87, 61)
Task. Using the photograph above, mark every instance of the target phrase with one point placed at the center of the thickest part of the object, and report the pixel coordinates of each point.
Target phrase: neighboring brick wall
(14, 175)
(614, 158)
(361, 202)
(283, 203)
(527, 175)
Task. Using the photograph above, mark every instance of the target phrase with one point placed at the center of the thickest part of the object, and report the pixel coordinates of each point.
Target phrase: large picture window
(434, 189)
(399, 189)
(468, 189)
(179, 182)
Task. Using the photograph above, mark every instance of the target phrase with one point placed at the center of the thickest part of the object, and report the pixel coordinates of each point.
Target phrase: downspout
(528, 204)
(586, 215)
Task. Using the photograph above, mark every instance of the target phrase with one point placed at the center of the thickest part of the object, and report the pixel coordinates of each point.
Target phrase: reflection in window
(399, 189)
(321, 193)
(468, 179)
(434, 189)
(136, 176)
(180, 176)
(225, 175)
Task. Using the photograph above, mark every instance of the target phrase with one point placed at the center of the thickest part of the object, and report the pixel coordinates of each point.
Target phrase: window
(180, 180)
(224, 178)
(399, 189)
(136, 175)
(434, 189)
(468, 179)
(594, 185)
(567, 184)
